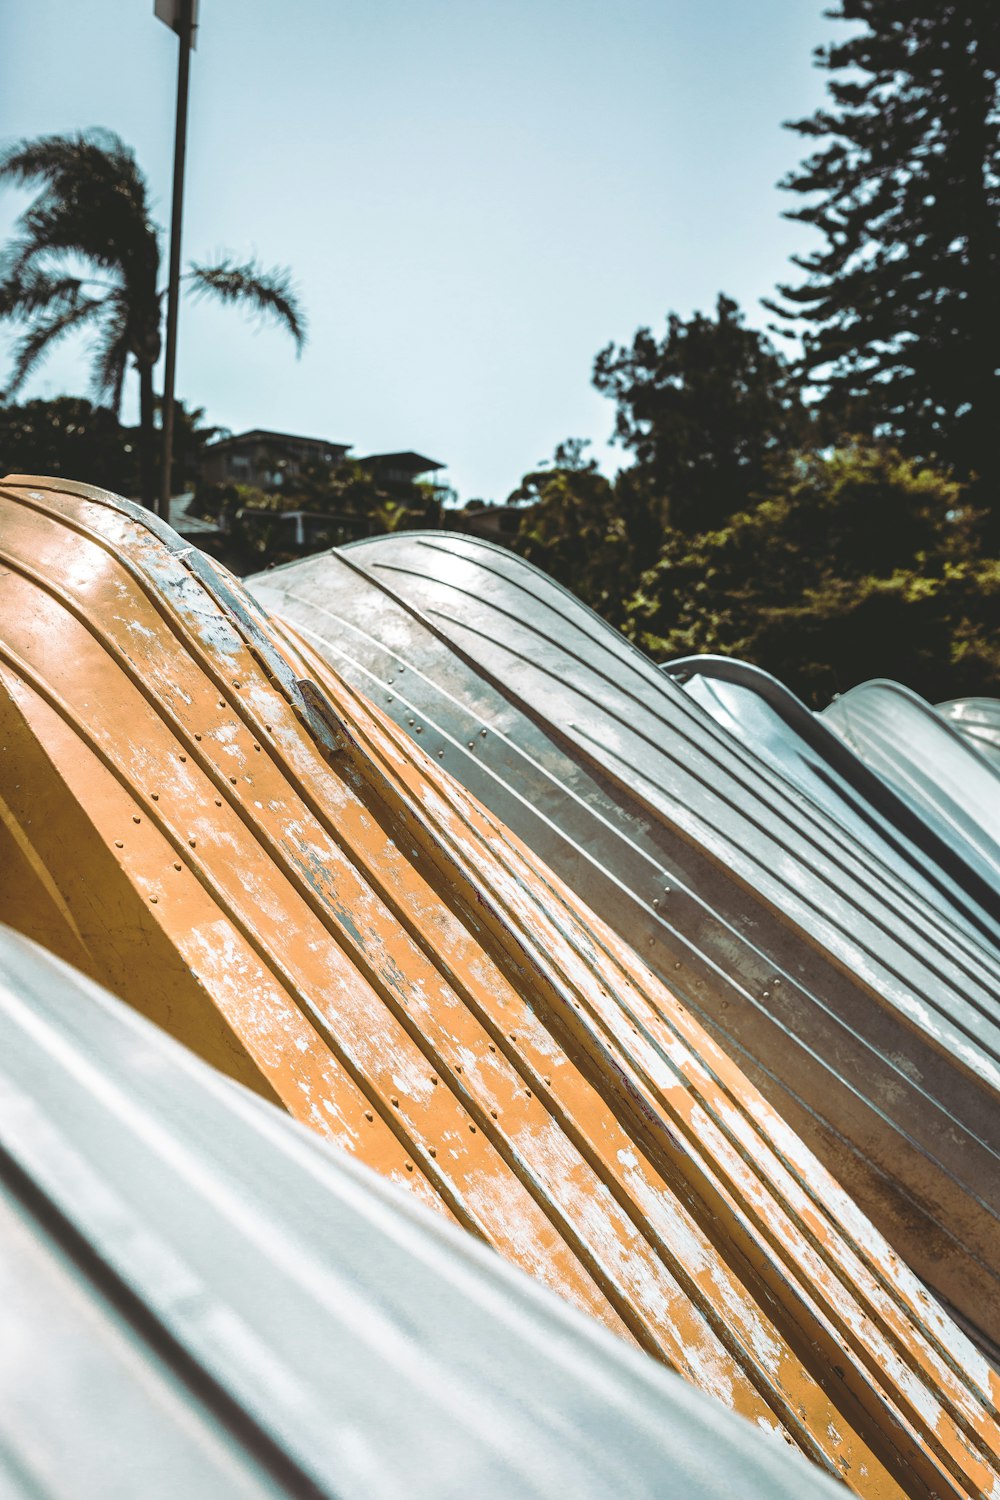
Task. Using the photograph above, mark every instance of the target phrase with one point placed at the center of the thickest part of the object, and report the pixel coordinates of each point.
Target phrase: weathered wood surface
(230, 838)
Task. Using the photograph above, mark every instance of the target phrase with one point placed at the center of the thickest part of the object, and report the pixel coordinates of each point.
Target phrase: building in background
(275, 460)
(397, 473)
(266, 460)
(274, 496)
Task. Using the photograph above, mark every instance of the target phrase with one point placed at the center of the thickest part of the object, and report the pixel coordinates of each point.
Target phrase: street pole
(183, 26)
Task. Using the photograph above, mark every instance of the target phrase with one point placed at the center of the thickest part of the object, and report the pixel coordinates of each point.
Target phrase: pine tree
(902, 303)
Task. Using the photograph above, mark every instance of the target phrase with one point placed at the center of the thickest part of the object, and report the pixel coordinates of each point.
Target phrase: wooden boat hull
(241, 847)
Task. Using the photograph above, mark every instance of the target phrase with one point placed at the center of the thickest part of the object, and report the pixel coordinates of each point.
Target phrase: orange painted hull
(214, 826)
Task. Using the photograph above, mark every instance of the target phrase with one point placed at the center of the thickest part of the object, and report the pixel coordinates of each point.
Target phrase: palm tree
(87, 254)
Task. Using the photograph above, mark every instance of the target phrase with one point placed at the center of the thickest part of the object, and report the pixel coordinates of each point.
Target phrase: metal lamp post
(180, 16)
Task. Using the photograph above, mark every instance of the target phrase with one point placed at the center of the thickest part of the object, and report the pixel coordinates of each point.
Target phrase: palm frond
(270, 294)
(90, 155)
(49, 156)
(111, 354)
(51, 234)
(90, 214)
(46, 331)
(68, 228)
(29, 292)
(19, 255)
(93, 200)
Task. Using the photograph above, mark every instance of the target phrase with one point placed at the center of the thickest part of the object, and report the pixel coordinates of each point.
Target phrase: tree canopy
(71, 438)
(572, 530)
(703, 411)
(901, 305)
(865, 564)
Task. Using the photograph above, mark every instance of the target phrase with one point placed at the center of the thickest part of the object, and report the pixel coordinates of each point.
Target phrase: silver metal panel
(928, 763)
(909, 838)
(868, 1016)
(202, 1298)
(978, 720)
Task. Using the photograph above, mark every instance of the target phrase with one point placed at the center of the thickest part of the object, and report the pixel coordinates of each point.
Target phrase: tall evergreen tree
(902, 302)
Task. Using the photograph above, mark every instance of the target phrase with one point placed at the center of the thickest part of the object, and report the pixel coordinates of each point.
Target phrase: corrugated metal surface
(339, 925)
(910, 838)
(201, 1300)
(858, 1008)
(978, 719)
(928, 763)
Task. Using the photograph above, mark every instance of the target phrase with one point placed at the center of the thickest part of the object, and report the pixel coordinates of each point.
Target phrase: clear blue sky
(474, 197)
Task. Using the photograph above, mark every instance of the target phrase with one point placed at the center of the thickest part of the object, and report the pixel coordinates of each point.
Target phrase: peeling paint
(360, 941)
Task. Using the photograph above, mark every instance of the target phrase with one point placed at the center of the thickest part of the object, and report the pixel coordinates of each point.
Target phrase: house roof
(418, 462)
(263, 434)
(184, 523)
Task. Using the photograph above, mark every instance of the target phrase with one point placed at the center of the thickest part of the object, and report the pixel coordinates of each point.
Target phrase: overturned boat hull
(978, 721)
(928, 763)
(852, 999)
(911, 835)
(228, 836)
(252, 1314)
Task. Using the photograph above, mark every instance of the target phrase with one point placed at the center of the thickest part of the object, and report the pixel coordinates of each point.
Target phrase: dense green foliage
(708, 412)
(866, 565)
(859, 563)
(350, 489)
(71, 439)
(585, 531)
(86, 255)
(902, 303)
(68, 438)
(340, 502)
(703, 411)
